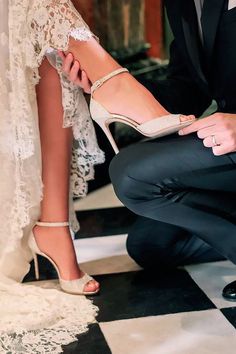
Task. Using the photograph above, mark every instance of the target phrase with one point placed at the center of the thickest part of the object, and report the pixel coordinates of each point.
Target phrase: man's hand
(218, 132)
(72, 69)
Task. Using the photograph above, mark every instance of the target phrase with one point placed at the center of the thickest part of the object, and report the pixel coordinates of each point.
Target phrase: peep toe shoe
(154, 128)
(76, 286)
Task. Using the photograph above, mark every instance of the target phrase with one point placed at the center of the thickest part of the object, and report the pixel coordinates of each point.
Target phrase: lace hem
(47, 319)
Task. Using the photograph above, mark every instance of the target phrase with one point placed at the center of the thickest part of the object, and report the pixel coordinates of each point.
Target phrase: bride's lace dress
(36, 319)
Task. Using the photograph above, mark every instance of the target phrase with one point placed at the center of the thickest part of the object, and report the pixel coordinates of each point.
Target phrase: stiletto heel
(105, 127)
(36, 266)
(153, 128)
(69, 286)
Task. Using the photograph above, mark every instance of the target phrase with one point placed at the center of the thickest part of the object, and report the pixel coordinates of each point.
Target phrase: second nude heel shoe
(154, 128)
(75, 287)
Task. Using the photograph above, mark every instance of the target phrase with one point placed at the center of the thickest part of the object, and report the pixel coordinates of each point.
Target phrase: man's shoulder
(174, 10)
(173, 7)
(173, 4)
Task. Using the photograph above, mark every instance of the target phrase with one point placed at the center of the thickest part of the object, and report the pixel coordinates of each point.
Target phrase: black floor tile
(46, 271)
(104, 222)
(91, 342)
(230, 314)
(140, 294)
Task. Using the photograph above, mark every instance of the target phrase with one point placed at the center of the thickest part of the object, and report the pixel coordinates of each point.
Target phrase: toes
(91, 286)
(187, 118)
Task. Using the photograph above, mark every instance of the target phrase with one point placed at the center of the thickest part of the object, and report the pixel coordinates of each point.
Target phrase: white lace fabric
(28, 29)
(45, 328)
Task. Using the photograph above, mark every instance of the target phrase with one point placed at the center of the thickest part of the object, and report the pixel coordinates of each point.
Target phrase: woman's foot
(124, 95)
(57, 244)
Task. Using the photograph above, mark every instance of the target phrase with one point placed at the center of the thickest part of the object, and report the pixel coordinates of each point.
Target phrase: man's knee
(146, 244)
(121, 172)
(120, 179)
(135, 251)
(136, 248)
(131, 184)
(145, 254)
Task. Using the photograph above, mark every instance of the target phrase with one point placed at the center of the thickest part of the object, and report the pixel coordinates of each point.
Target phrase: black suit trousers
(186, 197)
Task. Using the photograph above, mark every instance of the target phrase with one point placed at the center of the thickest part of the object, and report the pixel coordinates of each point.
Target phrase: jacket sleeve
(178, 92)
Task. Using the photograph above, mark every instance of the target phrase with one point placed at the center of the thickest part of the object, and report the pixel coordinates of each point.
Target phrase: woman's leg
(56, 144)
(123, 94)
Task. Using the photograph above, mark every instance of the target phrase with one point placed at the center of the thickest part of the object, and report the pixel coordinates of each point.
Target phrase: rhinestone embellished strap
(101, 81)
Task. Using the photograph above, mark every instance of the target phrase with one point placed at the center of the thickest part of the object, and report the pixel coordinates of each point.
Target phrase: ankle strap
(52, 224)
(101, 81)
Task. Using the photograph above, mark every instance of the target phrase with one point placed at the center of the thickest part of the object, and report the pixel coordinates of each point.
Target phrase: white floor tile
(212, 278)
(104, 255)
(204, 332)
(110, 265)
(90, 249)
(102, 198)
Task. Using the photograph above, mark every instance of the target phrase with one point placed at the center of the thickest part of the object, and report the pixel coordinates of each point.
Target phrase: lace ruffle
(46, 320)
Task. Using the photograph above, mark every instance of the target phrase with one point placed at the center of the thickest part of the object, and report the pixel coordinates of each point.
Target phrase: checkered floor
(175, 312)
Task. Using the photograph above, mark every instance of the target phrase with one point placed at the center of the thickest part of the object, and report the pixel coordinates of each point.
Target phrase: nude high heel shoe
(154, 128)
(75, 287)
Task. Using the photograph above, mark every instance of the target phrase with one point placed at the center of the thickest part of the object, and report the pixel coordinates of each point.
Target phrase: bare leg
(56, 143)
(123, 94)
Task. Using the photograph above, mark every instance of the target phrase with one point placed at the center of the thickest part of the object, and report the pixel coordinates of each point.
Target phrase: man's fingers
(218, 132)
(213, 139)
(221, 150)
(199, 124)
(191, 128)
(212, 130)
(220, 143)
(208, 142)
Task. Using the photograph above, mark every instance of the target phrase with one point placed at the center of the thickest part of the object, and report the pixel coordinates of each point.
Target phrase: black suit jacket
(199, 73)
